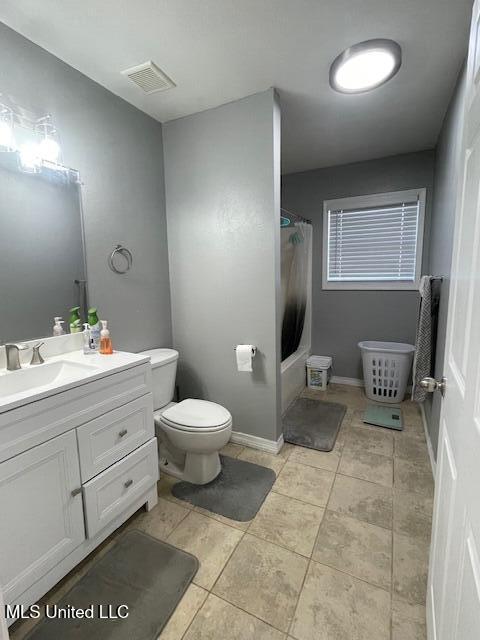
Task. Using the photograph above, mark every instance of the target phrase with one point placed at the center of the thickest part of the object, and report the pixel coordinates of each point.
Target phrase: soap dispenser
(58, 330)
(75, 322)
(87, 340)
(105, 340)
(94, 323)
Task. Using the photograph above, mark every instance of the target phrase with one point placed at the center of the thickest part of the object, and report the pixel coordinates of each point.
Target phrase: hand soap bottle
(87, 340)
(105, 340)
(75, 322)
(58, 330)
(94, 323)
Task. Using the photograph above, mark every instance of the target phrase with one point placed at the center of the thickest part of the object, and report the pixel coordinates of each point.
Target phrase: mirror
(42, 263)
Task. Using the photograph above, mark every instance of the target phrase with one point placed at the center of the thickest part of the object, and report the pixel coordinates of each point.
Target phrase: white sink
(39, 377)
(60, 372)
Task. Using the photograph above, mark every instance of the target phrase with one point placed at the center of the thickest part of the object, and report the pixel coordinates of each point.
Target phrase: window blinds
(377, 244)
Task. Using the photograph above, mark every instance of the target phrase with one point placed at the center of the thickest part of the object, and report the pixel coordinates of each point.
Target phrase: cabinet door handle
(76, 491)
(128, 483)
(122, 433)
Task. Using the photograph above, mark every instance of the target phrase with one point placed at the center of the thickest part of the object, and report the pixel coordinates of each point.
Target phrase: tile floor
(338, 550)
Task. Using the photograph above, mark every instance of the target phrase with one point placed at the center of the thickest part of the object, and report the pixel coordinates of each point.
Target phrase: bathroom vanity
(78, 456)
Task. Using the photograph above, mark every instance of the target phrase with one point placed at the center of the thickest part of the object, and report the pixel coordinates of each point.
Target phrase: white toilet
(190, 433)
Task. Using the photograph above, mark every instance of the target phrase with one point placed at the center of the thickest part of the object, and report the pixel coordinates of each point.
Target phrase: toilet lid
(197, 413)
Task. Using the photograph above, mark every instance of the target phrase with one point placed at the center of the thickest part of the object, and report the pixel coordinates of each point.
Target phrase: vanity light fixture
(30, 142)
(365, 66)
(48, 147)
(7, 140)
(6, 135)
(29, 157)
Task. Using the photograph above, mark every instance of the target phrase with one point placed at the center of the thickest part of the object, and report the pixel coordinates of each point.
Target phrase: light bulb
(49, 149)
(6, 135)
(29, 155)
(365, 70)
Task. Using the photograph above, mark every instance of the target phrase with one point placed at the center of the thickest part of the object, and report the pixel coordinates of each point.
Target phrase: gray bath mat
(236, 493)
(313, 423)
(147, 575)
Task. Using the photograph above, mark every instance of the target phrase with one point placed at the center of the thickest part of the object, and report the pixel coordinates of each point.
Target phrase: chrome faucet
(36, 355)
(12, 352)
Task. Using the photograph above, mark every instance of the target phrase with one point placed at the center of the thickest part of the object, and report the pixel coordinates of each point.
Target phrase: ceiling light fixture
(365, 66)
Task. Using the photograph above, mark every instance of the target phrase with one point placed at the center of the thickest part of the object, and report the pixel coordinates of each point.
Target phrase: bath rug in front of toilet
(145, 574)
(313, 423)
(237, 492)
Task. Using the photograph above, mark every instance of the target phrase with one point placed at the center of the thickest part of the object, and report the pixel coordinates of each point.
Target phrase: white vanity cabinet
(74, 465)
(42, 522)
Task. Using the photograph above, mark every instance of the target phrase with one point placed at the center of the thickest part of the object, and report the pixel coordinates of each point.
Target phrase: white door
(41, 522)
(453, 598)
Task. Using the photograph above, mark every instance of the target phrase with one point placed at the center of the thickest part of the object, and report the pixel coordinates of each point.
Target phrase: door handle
(76, 491)
(430, 385)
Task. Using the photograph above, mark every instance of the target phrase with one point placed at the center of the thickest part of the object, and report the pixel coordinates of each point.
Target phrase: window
(373, 242)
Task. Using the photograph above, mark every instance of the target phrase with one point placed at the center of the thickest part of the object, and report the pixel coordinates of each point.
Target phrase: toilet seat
(181, 427)
(196, 416)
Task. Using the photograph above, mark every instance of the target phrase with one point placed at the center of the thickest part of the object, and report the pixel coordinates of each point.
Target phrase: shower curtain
(295, 248)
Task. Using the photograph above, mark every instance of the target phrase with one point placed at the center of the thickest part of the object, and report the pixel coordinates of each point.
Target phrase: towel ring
(125, 253)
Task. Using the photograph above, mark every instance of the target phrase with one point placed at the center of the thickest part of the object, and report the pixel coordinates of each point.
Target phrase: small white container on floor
(319, 372)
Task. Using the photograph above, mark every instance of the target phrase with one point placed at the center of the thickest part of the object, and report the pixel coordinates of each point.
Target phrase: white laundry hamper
(386, 367)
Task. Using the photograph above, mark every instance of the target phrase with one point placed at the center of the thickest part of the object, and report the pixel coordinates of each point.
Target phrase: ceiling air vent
(149, 77)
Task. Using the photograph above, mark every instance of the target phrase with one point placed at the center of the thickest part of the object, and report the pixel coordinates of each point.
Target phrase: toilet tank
(164, 369)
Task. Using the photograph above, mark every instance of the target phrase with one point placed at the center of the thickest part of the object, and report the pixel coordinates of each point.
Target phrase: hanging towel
(426, 329)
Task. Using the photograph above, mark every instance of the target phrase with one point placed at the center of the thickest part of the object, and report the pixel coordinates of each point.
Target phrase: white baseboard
(429, 442)
(270, 446)
(353, 382)
(358, 382)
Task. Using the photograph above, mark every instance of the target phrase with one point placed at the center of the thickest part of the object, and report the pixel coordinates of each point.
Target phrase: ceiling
(217, 51)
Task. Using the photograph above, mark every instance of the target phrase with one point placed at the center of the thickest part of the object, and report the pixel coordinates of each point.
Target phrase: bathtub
(293, 375)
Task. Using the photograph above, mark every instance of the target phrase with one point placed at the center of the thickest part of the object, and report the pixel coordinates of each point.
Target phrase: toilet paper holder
(254, 351)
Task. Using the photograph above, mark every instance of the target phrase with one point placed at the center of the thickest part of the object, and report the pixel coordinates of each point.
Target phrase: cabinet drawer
(32, 424)
(111, 437)
(113, 490)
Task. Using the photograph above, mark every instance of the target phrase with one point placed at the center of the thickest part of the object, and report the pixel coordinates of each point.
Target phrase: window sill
(370, 286)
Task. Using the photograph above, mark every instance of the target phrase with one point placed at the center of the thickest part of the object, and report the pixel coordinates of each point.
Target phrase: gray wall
(447, 166)
(340, 319)
(222, 193)
(118, 151)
